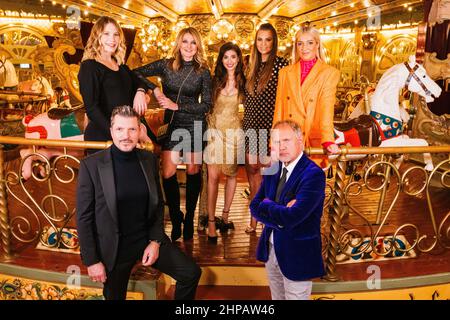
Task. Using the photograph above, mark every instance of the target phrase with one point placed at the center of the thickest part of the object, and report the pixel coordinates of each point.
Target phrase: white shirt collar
(290, 167)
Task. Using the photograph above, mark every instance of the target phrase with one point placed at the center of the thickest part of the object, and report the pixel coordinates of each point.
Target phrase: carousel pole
(334, 214)
(387, 177)
(5, 232)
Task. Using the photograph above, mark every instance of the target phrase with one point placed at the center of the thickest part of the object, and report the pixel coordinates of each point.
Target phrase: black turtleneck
(131, 193)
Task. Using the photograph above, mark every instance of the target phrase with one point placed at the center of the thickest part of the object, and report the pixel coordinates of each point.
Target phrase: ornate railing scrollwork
(53, 208)
(380, 234)
(443, 240)
(377, 176)
(13, 179)
(402, 184)
(46, 213)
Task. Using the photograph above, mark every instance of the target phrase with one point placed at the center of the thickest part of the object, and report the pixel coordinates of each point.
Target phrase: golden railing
(377, 164)
(52, 208)
(337, 240)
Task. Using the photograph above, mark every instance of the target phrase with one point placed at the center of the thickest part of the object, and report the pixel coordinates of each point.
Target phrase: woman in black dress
(259, 104)
(185, 78)
(105, 81)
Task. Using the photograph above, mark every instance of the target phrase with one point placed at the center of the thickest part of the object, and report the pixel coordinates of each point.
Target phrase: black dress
(191, 113)
(258, 111)
(103, 89)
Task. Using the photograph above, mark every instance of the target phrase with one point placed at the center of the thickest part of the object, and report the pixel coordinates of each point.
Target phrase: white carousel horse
(8, 76)
(386, 112)
(57, 124)
(41, 86)
(8, 81)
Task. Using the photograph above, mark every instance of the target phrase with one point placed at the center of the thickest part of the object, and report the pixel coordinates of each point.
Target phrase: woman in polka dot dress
(259, 103)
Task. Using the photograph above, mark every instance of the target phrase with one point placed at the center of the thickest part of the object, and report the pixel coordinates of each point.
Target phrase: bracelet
(141, 90)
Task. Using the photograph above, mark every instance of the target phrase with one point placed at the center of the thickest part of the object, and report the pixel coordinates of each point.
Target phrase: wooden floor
(237, 248)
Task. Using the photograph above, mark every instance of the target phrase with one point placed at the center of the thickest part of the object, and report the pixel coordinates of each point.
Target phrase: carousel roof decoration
(139, 13)
(218, 21)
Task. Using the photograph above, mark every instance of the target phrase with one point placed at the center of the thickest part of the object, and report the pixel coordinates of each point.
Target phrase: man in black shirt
(120, 214)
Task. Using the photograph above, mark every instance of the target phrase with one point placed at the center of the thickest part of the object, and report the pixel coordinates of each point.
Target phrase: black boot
(172, 192)
(193, 188)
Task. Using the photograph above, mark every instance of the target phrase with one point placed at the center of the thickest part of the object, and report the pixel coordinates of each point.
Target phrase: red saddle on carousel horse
(65, 124)
(384, 126)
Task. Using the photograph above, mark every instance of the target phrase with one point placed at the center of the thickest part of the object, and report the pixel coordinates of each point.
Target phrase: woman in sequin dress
(185, 78)
(225, 134)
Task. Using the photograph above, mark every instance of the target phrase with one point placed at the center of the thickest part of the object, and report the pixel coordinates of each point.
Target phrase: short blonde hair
(92, 50)
(199, 58)
(316, 35)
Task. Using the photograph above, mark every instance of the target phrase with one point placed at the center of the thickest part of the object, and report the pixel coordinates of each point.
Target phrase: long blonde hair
(199, 57)
(316, 35)
(256, 60)
(93, 46)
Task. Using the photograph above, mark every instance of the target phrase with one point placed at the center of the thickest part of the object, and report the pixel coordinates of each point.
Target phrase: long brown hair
(93, 46)
(199, 57)
(221, 75)
(256, 60)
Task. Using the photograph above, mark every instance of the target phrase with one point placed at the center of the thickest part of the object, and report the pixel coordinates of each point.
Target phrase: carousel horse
(8, 76)
(384, 126)
(57, 124)
(62, 98)
(8, 81)
(39, 85)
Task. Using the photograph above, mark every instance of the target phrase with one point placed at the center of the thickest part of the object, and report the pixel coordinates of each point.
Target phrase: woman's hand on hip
(166, 103)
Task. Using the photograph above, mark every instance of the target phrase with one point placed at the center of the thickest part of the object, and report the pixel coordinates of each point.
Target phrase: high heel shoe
(227, 224)
(212, 239)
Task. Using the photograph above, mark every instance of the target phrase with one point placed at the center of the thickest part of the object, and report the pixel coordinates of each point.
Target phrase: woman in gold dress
(224, 150)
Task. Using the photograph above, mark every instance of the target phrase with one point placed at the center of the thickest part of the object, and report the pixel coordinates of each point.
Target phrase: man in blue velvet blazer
(290, 243)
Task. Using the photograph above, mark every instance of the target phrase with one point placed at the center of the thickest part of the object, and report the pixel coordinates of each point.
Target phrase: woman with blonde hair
(307, 92)
(185, 78)
(259, 103)
(105, 80)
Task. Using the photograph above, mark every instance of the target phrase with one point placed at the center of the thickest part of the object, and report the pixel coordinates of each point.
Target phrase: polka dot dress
(258, 112)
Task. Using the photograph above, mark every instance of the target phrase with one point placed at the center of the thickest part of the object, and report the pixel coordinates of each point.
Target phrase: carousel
(386, 218)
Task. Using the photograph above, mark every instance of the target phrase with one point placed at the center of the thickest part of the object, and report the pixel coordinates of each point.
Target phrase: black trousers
(172, 261)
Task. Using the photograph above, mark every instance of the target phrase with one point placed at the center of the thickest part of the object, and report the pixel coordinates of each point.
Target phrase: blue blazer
(296, 230)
